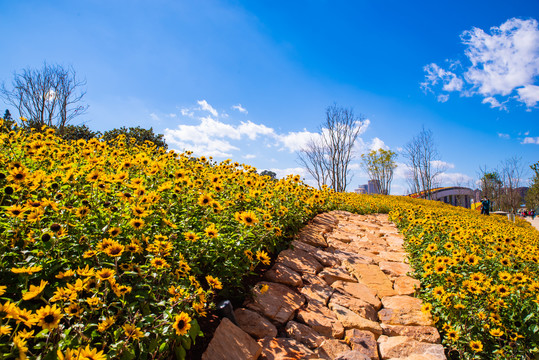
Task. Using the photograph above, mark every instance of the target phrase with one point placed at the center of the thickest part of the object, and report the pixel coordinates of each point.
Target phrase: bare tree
(380, 165)
(314, 158)
(49, 96)
(511, 171)
(424, 163)
(327, 157)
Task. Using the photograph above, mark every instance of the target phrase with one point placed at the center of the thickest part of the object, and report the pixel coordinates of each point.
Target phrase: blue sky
(250, 80)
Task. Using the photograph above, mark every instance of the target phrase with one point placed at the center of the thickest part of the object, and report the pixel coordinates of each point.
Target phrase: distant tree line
(52, 96)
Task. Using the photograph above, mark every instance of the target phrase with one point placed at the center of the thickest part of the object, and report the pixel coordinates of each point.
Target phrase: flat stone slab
(254, 324)
(284, 275)
(396, 256)
(300, 261)
(326, 219)
(345, 255)
(352, 355)
(358, 306)
(310, 279)
(312, 235)
(331, 348)
(231, 342)
(284, 349)
(405, 285)
(364, 342)
(420, 333)
(304, 334)
(316, 292)
(278, 303)
(359, 291)
(404, 310)
(394, 240)
(330, 275)
(340, 235)
(403, 346)
(373, 277)
(351, 320)
(321, 320)
(323, 257)
(395, 269)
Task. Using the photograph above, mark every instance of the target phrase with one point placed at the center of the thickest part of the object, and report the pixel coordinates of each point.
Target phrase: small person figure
(485, 206)
(532, 214)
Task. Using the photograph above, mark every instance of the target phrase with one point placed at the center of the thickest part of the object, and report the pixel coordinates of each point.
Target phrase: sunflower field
(479, 275)
(112, 250)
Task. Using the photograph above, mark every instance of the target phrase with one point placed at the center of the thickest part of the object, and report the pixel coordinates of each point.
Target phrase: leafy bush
(136, 136)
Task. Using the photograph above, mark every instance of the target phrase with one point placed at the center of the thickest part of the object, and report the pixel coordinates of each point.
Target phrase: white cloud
(154, 117)
(240, 108)
(402, 171)
(530, 140)
(449, 80)
(172, 115)
(295, 141)
(252, 130)
(207, 107)
(354, 166)
(187, 112)
(442, 98)
(212, 137)
(529, 95)
(503, 136)
(504, 62)
(377, 144)
(493, 103)
(454, 179)
(249, 156)
(364, 126)
(442, 164)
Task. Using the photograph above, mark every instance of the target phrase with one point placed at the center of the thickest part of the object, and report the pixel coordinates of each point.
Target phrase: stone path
(341, 292)
(534, 222)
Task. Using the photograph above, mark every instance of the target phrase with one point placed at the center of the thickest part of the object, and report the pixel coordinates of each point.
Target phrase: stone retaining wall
(340, 292)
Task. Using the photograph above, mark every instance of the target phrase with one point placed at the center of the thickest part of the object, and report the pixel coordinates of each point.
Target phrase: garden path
(534, 222)
(340, 292)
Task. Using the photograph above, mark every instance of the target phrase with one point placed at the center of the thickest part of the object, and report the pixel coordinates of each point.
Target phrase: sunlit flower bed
(111, 250)
(479, 276)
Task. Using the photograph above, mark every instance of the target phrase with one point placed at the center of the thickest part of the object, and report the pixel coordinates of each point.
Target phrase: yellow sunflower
(132, 332)
(114, 250)
(105, 274)
(137, 224)
(214, 282)
(49, 317)
(159, 263)
(34, 290)
(182, 324)
(91, 354)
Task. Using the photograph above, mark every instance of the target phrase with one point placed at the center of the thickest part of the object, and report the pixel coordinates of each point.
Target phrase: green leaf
(51, 356)
(194, 331)
(128, 355)
(186, 342)
(153, 345)
(180, 352)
